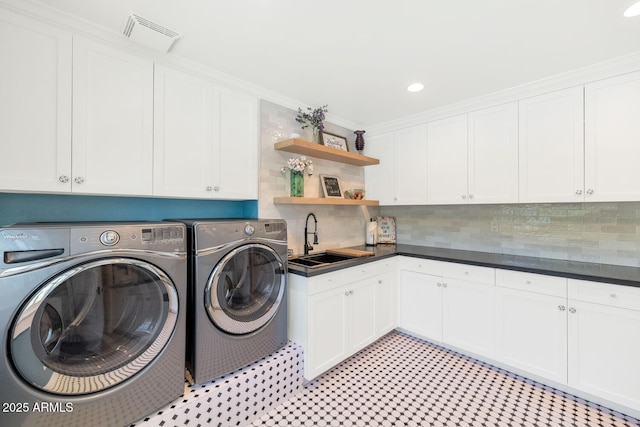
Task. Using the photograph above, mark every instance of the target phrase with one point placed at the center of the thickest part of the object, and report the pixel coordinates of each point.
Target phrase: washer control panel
(161, 237)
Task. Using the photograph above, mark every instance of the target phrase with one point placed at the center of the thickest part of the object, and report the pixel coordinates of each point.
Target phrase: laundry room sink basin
(319, 260)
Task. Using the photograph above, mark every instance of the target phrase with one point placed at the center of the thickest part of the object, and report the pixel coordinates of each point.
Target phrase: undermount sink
(319, 260)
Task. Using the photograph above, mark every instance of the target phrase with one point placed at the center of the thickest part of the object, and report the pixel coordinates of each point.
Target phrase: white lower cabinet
(327, 343)
(385, 293)
(334, 315)
(604, 341)
(421, 304)
(531, 323)
(449, 303)
(467, 316)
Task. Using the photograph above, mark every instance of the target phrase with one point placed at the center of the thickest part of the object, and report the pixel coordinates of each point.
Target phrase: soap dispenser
(371, 232)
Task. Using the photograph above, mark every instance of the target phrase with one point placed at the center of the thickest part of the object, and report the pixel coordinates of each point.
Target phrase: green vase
(297, 184)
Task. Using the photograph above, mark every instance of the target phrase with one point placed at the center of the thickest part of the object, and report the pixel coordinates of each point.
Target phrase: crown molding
(601, 70)
(81, 27)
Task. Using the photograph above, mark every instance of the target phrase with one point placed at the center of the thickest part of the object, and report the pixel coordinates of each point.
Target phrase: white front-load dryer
(93, 319)
(237, 294)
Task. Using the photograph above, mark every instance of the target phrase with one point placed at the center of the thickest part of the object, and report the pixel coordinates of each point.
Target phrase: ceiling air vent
(150, 34)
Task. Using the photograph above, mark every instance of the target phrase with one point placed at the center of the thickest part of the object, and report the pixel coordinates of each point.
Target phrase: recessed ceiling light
(415, 87)
(633, 10)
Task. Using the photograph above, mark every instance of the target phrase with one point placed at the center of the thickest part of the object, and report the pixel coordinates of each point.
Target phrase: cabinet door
(385, 303)
(112, 120)
(35, 105)
(532, 332)
(327, 331)
(604, 343)
(236, 145)
(447, 161)
(183, 134)
(493, 155)
(468, 316)
(552, 147)
(410, 159)
(612, 139)
(379, 179)
(421, 304)
(361, 314)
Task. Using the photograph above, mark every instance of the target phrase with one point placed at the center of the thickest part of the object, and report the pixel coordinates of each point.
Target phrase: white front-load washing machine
(237, 294)
(93, 318)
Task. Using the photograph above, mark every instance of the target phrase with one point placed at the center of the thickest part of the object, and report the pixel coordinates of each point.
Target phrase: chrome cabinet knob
(578, 192)
(63, 179)
(590, 191)
(79, 180)
(444, 285)
(216, 188)
(464, 196)
(572, 310)
(471, 196)
(209, 188)
(439, 285)
(561, 308)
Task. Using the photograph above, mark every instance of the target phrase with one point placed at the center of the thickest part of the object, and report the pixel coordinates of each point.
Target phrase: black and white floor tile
(237, 398)
(403, 381)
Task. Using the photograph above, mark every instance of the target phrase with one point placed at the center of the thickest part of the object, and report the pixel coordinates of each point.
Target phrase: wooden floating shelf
(306, 148)
(323, 201)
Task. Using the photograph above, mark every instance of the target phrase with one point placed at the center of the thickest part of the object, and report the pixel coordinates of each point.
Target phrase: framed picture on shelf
(334, 141)
(331, 187)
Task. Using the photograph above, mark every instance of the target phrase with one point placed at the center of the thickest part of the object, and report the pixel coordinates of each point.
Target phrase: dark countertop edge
(605, 273)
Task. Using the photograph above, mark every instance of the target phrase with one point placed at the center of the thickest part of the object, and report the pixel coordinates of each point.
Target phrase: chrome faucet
(307, 246)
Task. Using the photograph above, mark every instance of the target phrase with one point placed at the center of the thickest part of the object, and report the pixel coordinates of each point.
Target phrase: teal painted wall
(62, 208)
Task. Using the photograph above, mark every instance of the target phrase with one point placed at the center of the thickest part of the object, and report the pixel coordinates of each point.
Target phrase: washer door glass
(94, 326)
(245, 289)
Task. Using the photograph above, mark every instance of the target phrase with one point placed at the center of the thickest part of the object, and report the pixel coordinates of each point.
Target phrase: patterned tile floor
(403, 381)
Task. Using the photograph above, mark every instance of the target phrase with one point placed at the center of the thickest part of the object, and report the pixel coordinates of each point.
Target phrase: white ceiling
(358, 56)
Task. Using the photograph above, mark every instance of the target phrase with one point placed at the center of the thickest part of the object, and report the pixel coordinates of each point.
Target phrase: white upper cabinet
(400, 178)
(35, 105)
(236, 138)
(112, 120)
(552, 147)
(612, 139)
(379, 178)
(410, 156)
(447, 161)
(205, 138)
(473, 158)
(183, 134)
(493, 155)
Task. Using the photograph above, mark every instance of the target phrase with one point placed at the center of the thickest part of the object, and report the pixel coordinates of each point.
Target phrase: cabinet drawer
(387, 265)
(530, 282)
(605, 293)
(420, 265)
(471, 273)
(363, 271)
(328, 281)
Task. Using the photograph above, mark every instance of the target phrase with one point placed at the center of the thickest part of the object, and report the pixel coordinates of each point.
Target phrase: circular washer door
(94, 326)
(245, 289)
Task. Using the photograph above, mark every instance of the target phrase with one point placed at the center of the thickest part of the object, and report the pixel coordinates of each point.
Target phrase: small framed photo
(334, 141)
(331, 186)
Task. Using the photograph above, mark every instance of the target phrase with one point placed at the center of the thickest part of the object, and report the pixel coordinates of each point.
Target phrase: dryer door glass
(246, 288)
(94, 326)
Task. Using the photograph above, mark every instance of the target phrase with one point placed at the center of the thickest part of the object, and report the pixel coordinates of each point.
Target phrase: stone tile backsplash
(606, 233)
(590, 232)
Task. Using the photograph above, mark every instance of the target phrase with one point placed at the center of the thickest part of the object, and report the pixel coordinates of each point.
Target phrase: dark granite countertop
(608, 273)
